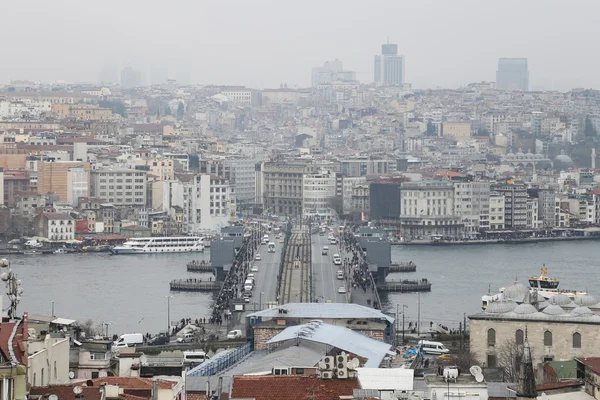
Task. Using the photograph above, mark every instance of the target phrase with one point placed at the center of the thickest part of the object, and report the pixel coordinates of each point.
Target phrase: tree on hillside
(589, 129)
(180, 110)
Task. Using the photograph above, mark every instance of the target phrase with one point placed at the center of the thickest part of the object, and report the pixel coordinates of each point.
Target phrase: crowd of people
(356, 265)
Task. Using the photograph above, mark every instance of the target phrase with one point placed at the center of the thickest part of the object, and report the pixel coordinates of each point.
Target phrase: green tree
(589, 129)
(116, 107)
(180, 110)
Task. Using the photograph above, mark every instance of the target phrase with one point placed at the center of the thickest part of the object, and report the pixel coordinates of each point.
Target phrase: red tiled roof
(6, 329)
(131, 382)
(448, 173)
(559, 385)
(291, 387)
(195, 396)
(66, 392)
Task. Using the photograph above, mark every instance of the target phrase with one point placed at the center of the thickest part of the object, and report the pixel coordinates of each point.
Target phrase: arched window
(519, 336)
(491, 337)
(547, 338)
(577, 340)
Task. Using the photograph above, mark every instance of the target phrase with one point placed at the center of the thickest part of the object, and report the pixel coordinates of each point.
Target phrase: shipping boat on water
(542, 286)
(160, 245)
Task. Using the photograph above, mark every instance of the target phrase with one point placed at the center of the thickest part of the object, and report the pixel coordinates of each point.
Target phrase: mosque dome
(500, 307)
(525, 309)
(560, 300)
(586, 301)
(553, 309)
(563, 161)
(582, 311)
(516, 292)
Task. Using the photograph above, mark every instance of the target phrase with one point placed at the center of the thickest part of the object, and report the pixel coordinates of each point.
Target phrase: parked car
(158, 340)
(186, 338)
(254, 268)
(235, 334)
(257, 257)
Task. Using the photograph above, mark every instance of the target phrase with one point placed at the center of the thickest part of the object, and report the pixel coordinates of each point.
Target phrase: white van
(433, 347)
(194, 357)
(249, 282)
(337, 259)
(129, 339)
(340, 274)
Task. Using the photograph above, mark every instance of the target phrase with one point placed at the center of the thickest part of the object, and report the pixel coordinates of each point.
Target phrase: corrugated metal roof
(337, 336)
(323, 310)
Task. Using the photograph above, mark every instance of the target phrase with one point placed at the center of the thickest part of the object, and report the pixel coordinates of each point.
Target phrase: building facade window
(519, 337)
(547, 338)
(491, 337)
(491, 361)
(577, 340)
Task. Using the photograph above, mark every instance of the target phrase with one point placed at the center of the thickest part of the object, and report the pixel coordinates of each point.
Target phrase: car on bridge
(254, 268)
(158, 340)
(257, 257)
(342, 289)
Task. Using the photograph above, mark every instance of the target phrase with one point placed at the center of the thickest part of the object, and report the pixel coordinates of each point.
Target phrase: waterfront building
(472, 204)
(282, 191)
(360, 202)
(515, 204)
(55, 226)
(545, 205)
(512, 74)
(120, 186)
(348, 185)
(427, 209)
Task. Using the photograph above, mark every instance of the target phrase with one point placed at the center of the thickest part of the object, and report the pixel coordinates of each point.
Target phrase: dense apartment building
(63, 178)
(471, 204)
(283, 187)
(240, 172)
(363, 166)
(515, 204)
(121, 187)
(496, 213)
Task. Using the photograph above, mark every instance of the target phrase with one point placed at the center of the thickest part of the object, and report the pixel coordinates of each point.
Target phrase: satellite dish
(53, 397)
(475, 370)
(353, 364)
(479, 378)
(544, 396)
(4, 276)
(72, 375)
(77, 389)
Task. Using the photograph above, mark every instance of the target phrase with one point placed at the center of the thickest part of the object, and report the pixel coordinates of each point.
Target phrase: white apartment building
(242, 179)
(206, 201)
(348, 184)
(427, 209)
(496, 212)
(471, 204)
(120, 187)
(242, 95)
(77, 185)
(533, 221)
(318, 190)
(26, 108)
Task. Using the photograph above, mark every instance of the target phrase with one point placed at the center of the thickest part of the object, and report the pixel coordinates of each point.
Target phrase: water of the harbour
(129, 291)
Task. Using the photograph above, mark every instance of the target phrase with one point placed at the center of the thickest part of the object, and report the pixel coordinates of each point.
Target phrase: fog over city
(265, 43)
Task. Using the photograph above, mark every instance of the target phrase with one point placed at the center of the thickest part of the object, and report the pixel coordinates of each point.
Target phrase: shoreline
(495, 241)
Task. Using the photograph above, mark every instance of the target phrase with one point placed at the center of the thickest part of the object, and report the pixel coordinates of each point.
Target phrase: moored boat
(160, 245)
(543, 287)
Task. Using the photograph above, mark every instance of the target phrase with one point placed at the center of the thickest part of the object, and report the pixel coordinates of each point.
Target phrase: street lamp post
(168, 315)
(260, 301)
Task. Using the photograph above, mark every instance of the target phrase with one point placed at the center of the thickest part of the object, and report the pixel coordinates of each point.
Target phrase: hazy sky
(263, 43)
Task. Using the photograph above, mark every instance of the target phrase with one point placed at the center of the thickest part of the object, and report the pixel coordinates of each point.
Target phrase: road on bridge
(265, 279)
(324, 272)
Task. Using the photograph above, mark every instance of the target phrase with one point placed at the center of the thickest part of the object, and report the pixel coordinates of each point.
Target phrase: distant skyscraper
(389, 66)
(331, 71)
(108, 75)
(130, 78)
(512, 74)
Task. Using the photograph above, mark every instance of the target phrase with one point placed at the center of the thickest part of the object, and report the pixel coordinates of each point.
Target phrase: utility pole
(419, 314)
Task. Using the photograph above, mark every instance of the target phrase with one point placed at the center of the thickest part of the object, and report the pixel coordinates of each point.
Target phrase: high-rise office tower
(130, 78)
(389, 66)
(512, 74)
(109, 74)
(331, 71)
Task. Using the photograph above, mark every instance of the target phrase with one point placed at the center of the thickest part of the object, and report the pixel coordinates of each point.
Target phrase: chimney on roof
(154, 389)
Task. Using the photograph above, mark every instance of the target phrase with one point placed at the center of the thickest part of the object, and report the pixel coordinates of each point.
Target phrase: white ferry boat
(153, 245)
(543, 286)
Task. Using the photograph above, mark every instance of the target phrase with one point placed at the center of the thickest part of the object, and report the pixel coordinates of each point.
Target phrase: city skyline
(465, 42)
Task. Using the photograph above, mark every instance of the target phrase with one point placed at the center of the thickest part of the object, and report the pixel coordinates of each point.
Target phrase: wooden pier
(405, 286)
(403, 267)
(199, 266)
(194, 285)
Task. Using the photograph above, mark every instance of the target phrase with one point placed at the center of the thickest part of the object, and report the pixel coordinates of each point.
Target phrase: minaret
(526, 389)
(593, 158)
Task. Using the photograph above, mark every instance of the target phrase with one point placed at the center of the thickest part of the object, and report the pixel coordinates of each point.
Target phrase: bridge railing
(221, 361)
